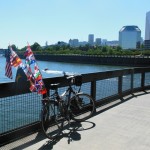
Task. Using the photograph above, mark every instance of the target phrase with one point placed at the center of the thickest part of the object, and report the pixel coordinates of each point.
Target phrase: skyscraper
(98, 41)
(147, 31)
(129, 37)
(91, 39)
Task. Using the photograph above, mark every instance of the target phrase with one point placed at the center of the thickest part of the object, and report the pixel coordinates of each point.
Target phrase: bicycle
(72, 104)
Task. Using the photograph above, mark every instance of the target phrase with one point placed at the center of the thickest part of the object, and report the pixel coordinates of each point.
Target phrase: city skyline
(53, 21)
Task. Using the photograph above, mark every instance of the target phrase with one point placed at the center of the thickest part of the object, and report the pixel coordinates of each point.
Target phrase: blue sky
(23, 21)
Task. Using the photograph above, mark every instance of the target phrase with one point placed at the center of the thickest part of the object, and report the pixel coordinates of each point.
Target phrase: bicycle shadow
(71, 132)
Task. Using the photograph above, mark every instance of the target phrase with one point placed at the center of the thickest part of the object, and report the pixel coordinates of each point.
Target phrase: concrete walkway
(123, 127)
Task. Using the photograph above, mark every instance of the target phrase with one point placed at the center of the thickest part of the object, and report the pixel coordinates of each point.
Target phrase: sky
(23, 21)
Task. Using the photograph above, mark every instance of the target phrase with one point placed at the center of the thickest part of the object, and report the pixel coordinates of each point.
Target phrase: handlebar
(74, 79)
(68, 76)
(71, 79)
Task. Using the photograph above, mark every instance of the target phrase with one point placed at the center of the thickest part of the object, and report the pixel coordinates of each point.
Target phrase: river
(56, 69)
(26, 108)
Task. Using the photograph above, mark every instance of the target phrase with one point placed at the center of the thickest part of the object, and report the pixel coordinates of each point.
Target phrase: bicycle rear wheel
(51, 121)
(82, 107)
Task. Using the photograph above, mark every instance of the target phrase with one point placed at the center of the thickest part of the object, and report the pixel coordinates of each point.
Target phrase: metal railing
(20, 109)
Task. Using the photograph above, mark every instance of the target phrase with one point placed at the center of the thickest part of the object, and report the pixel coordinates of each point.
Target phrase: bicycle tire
(82, 107)
(51, 121)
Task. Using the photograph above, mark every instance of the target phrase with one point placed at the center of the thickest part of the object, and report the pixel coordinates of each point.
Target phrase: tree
(35, 47)
(104, 49)
(142, 46)
(110, 51)
(14, 47)
(118, 48)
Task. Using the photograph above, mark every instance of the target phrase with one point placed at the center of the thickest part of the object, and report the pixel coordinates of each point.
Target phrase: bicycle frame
(63, 100)
(70, 91)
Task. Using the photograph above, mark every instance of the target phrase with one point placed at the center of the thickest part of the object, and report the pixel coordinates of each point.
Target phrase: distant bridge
(2, 51)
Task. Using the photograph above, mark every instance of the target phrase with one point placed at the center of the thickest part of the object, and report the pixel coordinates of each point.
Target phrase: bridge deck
(123, 127)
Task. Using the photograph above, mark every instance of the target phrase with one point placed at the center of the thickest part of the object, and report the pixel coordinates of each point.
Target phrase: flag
(32, 87)
(14, 59)
(8, 67)
(34, 77)
(33, 73)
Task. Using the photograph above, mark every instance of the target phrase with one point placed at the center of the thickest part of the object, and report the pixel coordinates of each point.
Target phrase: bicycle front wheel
(51, 121)
(82, 107)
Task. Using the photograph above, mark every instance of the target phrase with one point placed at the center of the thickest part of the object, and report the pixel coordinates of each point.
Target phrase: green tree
(104, 49)
(110, 51)
(35, 46)
(118, 48)
(14, 47)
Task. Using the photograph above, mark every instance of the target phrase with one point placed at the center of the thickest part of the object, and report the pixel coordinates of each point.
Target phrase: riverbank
(135, 61)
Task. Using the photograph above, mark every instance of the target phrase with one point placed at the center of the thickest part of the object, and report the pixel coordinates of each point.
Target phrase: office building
(104, 42)
(74, 42)
(91, 39)
(112, 43)
(83, 43)
(147, 31)
(98, 42)
(129, 37)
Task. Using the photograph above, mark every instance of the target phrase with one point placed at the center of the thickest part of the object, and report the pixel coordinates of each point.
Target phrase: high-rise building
(129, 37)
(147, 31)
(46, 43)
(74, 42)
(104, 42)
(91, 39)
(98, 41)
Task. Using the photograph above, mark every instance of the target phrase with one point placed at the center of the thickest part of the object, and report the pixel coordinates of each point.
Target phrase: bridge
(121, 120)
(2, 51)
(123, 125)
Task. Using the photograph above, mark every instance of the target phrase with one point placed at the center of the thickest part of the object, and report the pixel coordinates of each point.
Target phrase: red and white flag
(8, 67)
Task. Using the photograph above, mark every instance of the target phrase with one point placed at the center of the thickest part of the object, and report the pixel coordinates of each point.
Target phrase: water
(26, 110)
(56, 69)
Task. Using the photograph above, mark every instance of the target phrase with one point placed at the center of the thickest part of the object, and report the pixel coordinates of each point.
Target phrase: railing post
(132, 80)
(93, 90)
(120, 86)
(142, 80)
